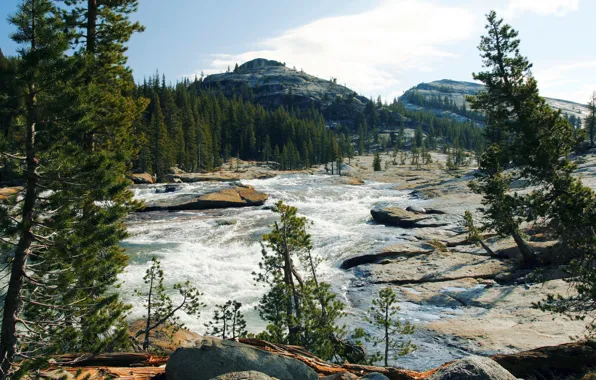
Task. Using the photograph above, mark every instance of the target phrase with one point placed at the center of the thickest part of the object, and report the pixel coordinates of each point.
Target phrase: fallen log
(119, 359)
(325, 368)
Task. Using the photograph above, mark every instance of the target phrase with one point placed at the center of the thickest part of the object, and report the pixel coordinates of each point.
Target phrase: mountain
(272, 84)
(446, 98)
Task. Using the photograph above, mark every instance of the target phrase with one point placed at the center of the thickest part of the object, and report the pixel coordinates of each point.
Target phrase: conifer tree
(64, 265)
(228, 322)
(591, 119)
(383, 314)
(539, 141)
(160, 307)
(300, 309)
(377, 162)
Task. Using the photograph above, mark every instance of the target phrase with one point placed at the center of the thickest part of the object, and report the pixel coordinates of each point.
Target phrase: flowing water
(218, 250)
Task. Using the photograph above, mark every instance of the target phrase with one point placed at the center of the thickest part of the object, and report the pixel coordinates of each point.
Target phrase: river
(218, 250)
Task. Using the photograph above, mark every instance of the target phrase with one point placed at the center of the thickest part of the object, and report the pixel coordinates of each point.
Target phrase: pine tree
(300, 310)
(539, 143)
(228, 322)
(377, 162)
(159, 140)
(590, 121)
(383, 314)
(75, 257)
(159, 305)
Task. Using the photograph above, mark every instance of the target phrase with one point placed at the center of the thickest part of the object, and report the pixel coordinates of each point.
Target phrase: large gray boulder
(248, 375)
(214, 357)
(390, 215)
(473, 368)
(241, 196)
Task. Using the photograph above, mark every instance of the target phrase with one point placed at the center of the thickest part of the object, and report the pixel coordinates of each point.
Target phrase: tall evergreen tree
(300, 309)
(591, 119)
(539, 141)
(79, 126)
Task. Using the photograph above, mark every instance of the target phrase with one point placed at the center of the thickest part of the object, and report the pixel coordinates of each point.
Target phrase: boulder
(473, 368)
(231, 197)
(563, 360)
(247, 375)
(374, 376)
(176, 170)
(214, 357)
(341, 376)
(416, 209)
(7, 192)
(142, 178)
(396, 216)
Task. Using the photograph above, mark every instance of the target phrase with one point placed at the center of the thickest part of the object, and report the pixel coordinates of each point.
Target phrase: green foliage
(377, 162)
(70, 142)
(533, 143)
(300, 310)
(383, 314)
(590, 121)
(228, 321)
(197, 128)
(161, 310)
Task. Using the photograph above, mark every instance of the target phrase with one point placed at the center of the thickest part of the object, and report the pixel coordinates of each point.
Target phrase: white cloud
(541, 7)
(573, 81)
(370, 50)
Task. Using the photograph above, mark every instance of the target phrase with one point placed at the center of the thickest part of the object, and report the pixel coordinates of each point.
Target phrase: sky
(375, 47)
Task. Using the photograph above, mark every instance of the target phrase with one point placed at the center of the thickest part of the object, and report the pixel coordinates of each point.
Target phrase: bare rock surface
(213, 358)
(473, 368)
(241, 196)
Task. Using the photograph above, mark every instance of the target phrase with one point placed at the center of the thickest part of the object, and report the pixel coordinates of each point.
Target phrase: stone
(341, 376)
(142, 179)
(416, 209)
(374, 376)
(213, 357)
(566, 359)
(230, 197)
(396, 216)
(247, 375)
(473, 368)
(7, 192)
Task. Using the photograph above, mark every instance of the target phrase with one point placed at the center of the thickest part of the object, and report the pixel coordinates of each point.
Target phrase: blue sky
(373, 46)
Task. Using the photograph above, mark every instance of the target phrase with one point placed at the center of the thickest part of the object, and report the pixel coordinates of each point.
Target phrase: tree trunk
(91, 48)
(13, 300)
(528, 255)
(386, 334)
(148, 325)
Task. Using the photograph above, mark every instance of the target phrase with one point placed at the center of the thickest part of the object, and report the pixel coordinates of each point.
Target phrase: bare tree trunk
(386, 334)
(528, 255)
(91, 48)
(13, 300)
(148, 325)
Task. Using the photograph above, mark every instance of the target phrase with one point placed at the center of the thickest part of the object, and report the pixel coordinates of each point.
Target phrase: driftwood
(101, 373)
(325, 368)
(120, 359)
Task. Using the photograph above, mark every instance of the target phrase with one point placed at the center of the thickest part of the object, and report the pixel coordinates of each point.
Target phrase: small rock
(473, 368)
(341, 376)
(248, 375)
(416, 209)
(142, 178)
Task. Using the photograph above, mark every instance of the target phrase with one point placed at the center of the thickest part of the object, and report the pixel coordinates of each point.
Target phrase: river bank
(461, 301)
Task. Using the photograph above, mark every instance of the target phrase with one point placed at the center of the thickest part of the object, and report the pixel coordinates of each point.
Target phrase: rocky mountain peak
(258, 63)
